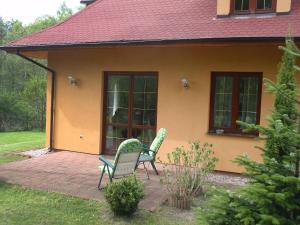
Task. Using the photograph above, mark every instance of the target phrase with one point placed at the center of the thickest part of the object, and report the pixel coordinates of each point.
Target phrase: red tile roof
(123, 21)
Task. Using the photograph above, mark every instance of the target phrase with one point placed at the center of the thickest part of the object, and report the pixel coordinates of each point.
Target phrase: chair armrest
(101, 158)
(146, 149)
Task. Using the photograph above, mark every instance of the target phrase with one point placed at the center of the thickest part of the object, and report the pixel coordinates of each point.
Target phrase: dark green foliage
(2, 30)
(22, 94)
(63, 12)
(124, 195)
(286, 86)
(268, 200)
(22, 84)
(273, 193)
(219, 210)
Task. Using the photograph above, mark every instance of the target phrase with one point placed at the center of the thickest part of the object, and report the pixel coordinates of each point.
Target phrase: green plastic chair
(149, 153)
(125, 161)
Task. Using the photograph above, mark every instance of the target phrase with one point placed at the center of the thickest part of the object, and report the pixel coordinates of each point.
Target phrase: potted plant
(185, 172)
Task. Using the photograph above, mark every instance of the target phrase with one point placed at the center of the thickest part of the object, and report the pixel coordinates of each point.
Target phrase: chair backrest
(127, 157)
(160, 137)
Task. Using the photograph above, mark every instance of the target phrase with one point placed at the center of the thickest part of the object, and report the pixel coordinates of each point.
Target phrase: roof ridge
(58, 24)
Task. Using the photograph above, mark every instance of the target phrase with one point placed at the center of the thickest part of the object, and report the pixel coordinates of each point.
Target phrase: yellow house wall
(223, 7)
(185, 113)
(283, 6)
(48, 109)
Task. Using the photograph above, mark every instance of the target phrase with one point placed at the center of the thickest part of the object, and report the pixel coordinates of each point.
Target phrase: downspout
(53, 78)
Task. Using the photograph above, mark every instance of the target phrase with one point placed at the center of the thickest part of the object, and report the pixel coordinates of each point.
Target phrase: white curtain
(116, 99)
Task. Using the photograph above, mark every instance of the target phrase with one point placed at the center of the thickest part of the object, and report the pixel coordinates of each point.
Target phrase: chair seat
(145, 158)
(105, 171)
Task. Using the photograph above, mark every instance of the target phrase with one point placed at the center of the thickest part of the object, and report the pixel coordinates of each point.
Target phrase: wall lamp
(73, 81)
(185, 83)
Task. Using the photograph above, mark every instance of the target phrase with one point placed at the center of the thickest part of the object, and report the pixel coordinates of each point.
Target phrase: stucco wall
(283, 6)
(185, 113)
(223, 7)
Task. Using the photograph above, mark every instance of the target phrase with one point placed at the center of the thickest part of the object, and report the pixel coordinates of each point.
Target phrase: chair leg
(137, 165)
(110, 177)
(153, 165)
(99, 184)
(146, 170)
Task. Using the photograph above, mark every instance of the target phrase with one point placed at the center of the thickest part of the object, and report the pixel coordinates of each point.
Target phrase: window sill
(253, 14)
(258, 11)
(239, 13)
(244, 135)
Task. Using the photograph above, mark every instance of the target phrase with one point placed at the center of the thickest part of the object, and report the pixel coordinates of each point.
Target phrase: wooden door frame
(131, 74)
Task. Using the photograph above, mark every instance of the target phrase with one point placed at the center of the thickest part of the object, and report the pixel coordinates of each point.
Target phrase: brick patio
(73, 174)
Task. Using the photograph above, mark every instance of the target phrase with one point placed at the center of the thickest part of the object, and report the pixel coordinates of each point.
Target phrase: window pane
(119, 116)
(115, 136)
(145, 84)
(223, 101)
(144, 117)
(122, 82)
(264, 4)
(144, 100)
(248, 99)
(241, 5)
(117, 99)
(146, 136)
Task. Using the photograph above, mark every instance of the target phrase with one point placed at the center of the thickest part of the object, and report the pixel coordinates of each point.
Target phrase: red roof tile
(108, 21)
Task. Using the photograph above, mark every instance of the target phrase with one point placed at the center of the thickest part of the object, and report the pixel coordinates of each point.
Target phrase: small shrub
(219, 209)
(186, 171)
(124, 195)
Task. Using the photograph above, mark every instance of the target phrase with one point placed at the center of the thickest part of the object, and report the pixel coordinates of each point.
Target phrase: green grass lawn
(23, 206)
(13, 142)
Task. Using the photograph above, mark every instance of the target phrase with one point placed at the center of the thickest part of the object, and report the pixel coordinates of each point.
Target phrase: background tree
(22, 84)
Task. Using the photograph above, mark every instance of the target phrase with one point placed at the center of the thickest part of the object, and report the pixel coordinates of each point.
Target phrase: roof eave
(16, 48)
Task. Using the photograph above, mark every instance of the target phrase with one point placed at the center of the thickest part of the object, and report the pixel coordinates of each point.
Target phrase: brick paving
(74, 174)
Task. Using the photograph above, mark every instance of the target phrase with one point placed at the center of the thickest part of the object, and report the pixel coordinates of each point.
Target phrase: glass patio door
(130, 108)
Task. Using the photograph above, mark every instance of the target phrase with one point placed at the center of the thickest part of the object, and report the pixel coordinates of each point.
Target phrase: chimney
(87, 2)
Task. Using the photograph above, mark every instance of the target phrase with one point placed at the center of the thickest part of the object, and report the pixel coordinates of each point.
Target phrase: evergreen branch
(278, 90)
(297, 54)
(297, 68)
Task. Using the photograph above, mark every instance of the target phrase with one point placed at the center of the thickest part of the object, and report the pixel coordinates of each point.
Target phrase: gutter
(53, 78)
(13, 48)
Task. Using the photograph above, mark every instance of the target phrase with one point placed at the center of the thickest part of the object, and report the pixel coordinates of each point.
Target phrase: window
(234, 96)
(264, 4)
(130, 108)
(253, 6)
(241, 5)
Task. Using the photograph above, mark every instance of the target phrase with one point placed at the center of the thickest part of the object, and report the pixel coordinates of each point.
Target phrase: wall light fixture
(73, 81)
(185, 83)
